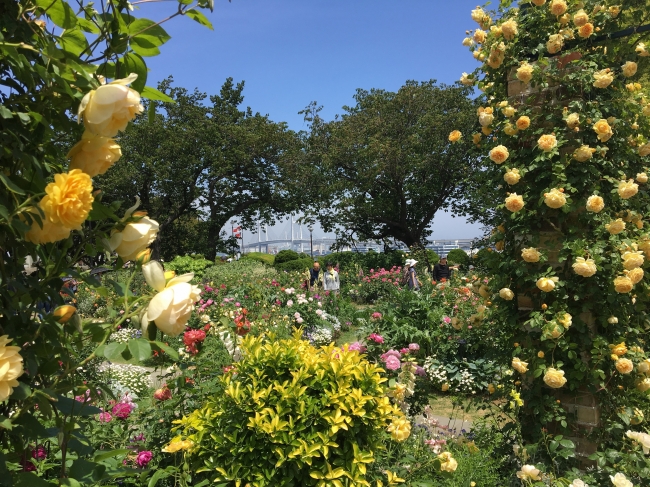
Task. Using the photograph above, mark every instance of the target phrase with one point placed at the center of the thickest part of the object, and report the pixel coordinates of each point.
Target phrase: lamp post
(311, 242)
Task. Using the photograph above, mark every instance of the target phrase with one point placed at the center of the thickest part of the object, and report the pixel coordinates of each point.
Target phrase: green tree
(387, 166)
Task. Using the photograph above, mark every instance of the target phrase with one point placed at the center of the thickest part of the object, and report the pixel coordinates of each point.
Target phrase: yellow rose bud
(444, 387)
(455, 136)
(540, 354)
(63, 313)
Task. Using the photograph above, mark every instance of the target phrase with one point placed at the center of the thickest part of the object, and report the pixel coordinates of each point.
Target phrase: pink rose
(393, 363)
(144, 457)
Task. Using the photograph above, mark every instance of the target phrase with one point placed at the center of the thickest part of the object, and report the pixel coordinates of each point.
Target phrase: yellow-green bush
(293, 415)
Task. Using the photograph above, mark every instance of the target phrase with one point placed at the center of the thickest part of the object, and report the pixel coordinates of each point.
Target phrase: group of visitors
(327, 281)
(441, 272)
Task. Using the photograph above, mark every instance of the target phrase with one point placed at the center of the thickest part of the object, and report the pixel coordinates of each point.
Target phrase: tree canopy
(387, 165)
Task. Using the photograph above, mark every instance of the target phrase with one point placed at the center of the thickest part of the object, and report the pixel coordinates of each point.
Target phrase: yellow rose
(135, 238)
(623, 284)
(479, 15)
(496, 31)
(455, 136)
(444, 387)
(603, 130)
(539, 3)
(510, 129)
(554, 199)
(523, 122)
(580, 18)
(558, 7)
(643, 385)
(486, 130)
(573, 120)
(641, 50)
(554, 378)
(624, 365)
(584, 267)
(603, 78)
(512, 176)
(506, 294)
(565, 319)
(635, 275)
(519, 365)
(476, 139)
(529, 471)
(525, 73)
(554, 43)
(11, 367)
(468, 42)
(514, 202)
(177, 445)
(642, 178)
(466, 79)
(108, 109)
(509, 29)
(644, 150)
(68, 199)
(63, 313)
(499, 154)
(400, 429)
(531, 254)
(172, 307)
(485, 116)
(479, 36)
(447, 462)
(48, 233)
(547, 142)
(644, 367)
(627, 189)
(94, 154)
(632, 259)
(491, 389)
(497, 56)
(644, 244)
(633, 87)
(509, 111)
(614, 10)
(615, 227)
(547, 284)
(583, 153)
(586, 30)
(595, 203)
(629, 69)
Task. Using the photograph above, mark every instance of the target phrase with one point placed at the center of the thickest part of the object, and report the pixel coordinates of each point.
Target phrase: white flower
(529, 472)
(578, 483)
(620, 480)
(642, 438)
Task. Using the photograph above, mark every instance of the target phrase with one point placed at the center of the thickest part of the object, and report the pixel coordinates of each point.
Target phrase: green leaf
(11, 186)
(146, 37)
(199, 17)
(73, 41)
(154, 94)
(30, 427)
(5, 112)
(30, 479)
(60, 12)
(21, 392)
(132, 63)
(160, 474)
(71, 406)
(113, 351)
(567, 444)
(140, 349)
(69, 483)
(173, 354)
(83, 468)
(109, 454)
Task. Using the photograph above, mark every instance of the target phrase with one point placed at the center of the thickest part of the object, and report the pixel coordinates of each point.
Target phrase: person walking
(331, 280)
(410, 275)
(315, 277)
(442, 270)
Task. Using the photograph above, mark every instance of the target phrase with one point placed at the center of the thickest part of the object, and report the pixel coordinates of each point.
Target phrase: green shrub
(233, 272)
(285, 256)
(370, 260)
(292, 415)
(295, 265)
(268, 259)
(458, 256)
(195, 263)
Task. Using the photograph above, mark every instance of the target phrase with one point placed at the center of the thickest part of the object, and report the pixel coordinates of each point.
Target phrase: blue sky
(291, 52)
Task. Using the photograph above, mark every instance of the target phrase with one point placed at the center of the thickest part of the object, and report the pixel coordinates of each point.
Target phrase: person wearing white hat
(410, 276)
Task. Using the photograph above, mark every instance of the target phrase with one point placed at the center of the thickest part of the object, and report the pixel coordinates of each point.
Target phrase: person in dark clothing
(442, 270)
(315, 276)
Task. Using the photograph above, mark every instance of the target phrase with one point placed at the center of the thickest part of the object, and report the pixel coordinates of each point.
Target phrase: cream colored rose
(641, 50)
(529, 472)
(635, 275)
(595, 203)
(547, 284)
(624, 365)
(479, 36)
(531, 254)
(512, 176)
(134, 238)
(499, 154)
(614, 10)
(644, 150)
(554, 199)
(547, 142)
(554, 378)
(108, 109)
(496, 31)
(466, 79)
(584, 267)
(514, 202)
(555, 43)
(525, 73)
(497, 55)
(642, 438)
(583, 153)
(523, 122)
(478, 15)
(615, 227)
(643, 385)
(509, 111)
(623, 284)
(506, 294)
(629, 69)
(485, 116)
(172, 307)
(603, 130)
(558, 7)
(94, 154)
(642, 178)
(510, 129)
(566, 320)
(627, 189)
(580, 18)
(603, 78)
(509, 29)
(573, 120)
(632, 259)
(468, 42)
(447, 462)
(644, 367)
(455, 136)
(519, 365)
